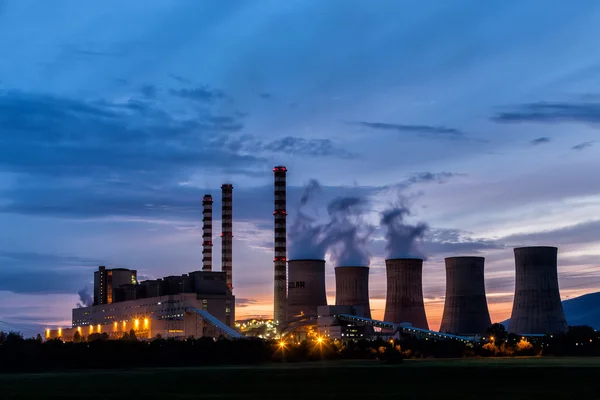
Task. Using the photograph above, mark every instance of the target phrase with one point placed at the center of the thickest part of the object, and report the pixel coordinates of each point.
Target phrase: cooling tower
(306, 287)
(404, 299)
(227, 232)
(465, 309)
(207, 202)
(537, 307)
(280, 256)
(352, 288)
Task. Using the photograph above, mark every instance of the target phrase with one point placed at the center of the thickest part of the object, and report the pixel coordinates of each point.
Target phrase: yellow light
(59, 331)
(79, 329)
(91, 328)
(320, 340)
(124, 325)
(282, 344)
(98, 328)
(115, 326)
(492, 338)
(47, 332)
(146, 322)
(137, 323)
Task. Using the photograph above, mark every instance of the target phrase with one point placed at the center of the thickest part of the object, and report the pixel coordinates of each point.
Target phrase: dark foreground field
(440, 379)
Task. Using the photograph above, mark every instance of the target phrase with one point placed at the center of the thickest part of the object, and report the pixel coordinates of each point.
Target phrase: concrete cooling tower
(404, 299)
(352, 288)
(306, 287)
(465, 309)
(537, 307)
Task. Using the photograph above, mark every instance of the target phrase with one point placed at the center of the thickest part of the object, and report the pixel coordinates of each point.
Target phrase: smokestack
(465, 309)
(404, 299)
(280, 249)
(207, 202)
(306, 287)
(227, 231)
(537, 307)
(352, 288)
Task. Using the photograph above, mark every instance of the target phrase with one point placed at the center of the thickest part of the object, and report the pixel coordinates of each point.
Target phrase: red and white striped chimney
(227, 231)
(280, 256)
(207, 202)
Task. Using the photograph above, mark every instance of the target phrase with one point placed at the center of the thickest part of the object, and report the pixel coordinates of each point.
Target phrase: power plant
(280, 245)
(404, 298)
(207, 202)
(201, 303)
(537, 307)
(352, 288)
(465, 309)
(306, 287)
(227, 231)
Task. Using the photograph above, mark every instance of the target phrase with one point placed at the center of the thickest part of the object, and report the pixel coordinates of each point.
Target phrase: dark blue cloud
(427, 130)
(303, 147)
(551, 112)
(540, 140)
(583, 145)
(30, 272)
(201, 93)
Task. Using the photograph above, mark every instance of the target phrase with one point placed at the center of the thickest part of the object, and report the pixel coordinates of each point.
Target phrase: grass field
(534, 378)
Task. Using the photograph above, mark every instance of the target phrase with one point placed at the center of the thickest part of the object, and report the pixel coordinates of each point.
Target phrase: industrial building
(537, 306)
(163, 299)
(352, 289)
(106, 280)
(404, 298)
(306, 288)
(280, 246)
(465, 307)
(330, 326)
(197, 304)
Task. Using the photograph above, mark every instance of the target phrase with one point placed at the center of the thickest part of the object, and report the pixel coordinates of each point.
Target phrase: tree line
(98, 352)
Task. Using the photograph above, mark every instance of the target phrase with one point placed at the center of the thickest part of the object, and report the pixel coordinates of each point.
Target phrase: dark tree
(498, 332)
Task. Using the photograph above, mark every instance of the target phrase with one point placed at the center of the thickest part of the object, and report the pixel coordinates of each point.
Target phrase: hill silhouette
(582, 310)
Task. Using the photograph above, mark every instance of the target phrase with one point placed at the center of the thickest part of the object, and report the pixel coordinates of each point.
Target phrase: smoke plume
(402, 239)
(348, 233)
(344, 235)
(85, 300)
(307, 238)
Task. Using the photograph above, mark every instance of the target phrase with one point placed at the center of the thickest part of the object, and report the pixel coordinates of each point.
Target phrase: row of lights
(136, 325)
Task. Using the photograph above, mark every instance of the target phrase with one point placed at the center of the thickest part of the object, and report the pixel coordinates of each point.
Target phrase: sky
(116, 117)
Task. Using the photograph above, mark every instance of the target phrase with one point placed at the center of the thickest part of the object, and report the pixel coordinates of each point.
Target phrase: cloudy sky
(117, 116)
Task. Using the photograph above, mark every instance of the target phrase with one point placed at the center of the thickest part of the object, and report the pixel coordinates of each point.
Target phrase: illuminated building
(106, 280)
(330, 327)
(159, 306)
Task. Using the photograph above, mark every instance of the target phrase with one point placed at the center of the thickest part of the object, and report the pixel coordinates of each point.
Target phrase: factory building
(158, 307)
(306, 288)
(352, 288)
(280, 245)
(537, 308)
(330, 326)
(106, 280)
(404, 298)
(465, 308)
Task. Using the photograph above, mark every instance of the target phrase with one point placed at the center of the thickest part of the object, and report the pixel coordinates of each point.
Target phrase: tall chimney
(280, 256)
(227, 229)
(207, 202)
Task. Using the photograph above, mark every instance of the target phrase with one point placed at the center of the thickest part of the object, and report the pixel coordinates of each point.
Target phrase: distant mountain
(582, 310)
